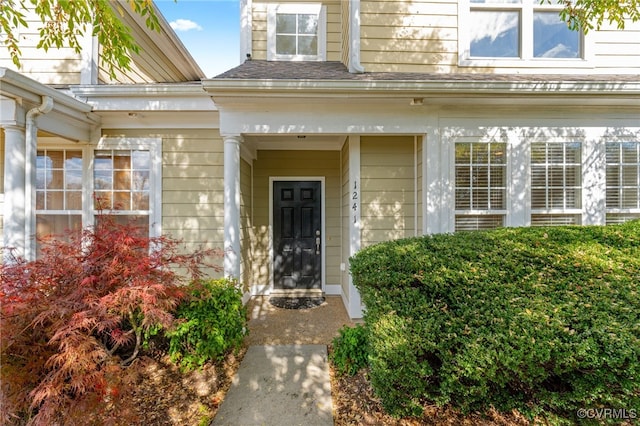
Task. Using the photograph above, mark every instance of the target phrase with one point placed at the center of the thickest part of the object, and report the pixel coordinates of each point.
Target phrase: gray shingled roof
(294, 70)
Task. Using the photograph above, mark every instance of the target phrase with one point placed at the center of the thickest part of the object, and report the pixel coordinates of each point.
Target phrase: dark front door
(296, 235)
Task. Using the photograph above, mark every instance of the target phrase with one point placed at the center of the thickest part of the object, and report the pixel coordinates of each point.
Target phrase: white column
(14, 189)
(232, 206)
(355, 236)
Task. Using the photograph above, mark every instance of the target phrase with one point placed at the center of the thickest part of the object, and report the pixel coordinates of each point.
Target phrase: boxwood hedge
(542, 320)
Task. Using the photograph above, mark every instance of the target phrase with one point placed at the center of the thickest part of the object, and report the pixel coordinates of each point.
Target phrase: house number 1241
(354, 197)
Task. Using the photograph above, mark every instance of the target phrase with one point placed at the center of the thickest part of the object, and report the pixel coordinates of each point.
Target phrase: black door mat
(296, 302)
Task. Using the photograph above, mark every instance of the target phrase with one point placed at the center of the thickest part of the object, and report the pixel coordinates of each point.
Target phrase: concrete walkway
(279, 385)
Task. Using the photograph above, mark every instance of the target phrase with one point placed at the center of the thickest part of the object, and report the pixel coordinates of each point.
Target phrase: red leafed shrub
(75, 318)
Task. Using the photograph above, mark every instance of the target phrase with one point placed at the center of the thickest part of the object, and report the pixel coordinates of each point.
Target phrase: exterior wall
(387, 188)
(246, 214)
(259, 30)
(409, 36)
(57, 66)
(346, 218)
(192, 185)
(302, 164)
(422, 36)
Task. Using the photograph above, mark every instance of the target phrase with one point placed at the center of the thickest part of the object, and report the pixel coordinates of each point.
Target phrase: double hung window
(556, 183)
(296, 32)
(480, 185)
(623, 181)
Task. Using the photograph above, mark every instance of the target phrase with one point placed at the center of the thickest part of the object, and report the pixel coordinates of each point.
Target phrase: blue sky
(209, 29)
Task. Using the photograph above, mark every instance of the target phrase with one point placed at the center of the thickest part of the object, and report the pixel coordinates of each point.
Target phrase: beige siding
(422, 36)
(57, 66)
(192, 185)
(346, 218)
(409, 36)
(334, 27)
(300, 164)
(344, 25)
(246, 210)
(2, 182)
(388, 188)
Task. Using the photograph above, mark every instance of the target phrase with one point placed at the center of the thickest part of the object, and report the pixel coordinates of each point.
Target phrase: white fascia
(70, 118)
(572, 93)
(146, 97)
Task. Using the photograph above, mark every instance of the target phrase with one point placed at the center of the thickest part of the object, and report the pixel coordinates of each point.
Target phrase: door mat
(296, 302)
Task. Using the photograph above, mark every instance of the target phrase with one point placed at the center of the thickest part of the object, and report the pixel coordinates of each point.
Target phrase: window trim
(298, 8)
(620, 210)
(527, 8)
(504, 212)
(154, 146)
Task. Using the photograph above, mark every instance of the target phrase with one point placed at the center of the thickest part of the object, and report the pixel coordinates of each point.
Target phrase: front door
(296, 235)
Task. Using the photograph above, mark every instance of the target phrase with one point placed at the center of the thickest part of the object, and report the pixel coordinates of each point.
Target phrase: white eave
(146, 97)
(169, 44)
(598, 92)
(70, 118)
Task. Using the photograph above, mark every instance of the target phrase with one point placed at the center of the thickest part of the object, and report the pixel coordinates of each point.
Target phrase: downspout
(31, 149)
(354, 38)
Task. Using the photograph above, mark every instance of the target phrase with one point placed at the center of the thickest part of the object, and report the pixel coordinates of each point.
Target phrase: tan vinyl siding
(245, 223)
(299, 164)
(192, 185)
(422, 36)
(409, 36)
(259, 29)
(617, 51)
(388, 188)
(344, 24)
(57, 66)
(346, 218)
(2, 182)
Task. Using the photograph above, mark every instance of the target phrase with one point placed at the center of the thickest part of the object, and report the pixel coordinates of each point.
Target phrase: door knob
(318, 241)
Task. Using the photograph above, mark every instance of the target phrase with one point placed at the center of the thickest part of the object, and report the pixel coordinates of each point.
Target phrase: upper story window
(296, 32)
(508, 32)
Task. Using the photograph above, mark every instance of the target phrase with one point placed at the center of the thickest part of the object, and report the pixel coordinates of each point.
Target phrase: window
(121, 184)
(623, 181)
(296, 32)
(556, 183)
(497, 31)
(59, 191)
(480, 179)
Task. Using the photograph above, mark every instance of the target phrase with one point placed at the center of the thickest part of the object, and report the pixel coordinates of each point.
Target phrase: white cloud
(185, 25)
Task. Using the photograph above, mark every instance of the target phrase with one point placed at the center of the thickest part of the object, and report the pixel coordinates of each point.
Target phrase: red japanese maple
(72, 320)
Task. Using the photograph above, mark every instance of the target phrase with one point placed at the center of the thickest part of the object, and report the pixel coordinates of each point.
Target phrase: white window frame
(526, 9)
(624, 212)
(297, 8)
(58, 144)
(154, 146)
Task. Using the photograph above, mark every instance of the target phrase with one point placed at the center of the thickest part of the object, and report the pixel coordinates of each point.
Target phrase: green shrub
(211, 321)
(350, 350)
(543, 320)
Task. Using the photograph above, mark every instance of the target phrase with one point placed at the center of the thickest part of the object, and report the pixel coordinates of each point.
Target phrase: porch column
(355, 234)
(14, 189)
(232, 206)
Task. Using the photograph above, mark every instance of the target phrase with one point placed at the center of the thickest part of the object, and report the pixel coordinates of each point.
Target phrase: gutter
(31, 149)
(375, 88)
